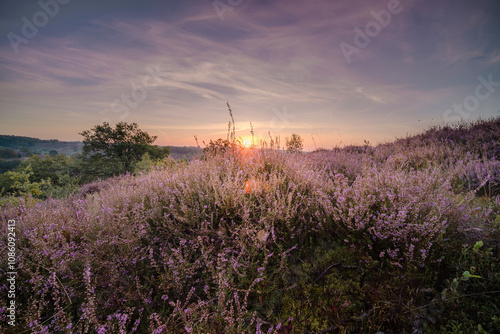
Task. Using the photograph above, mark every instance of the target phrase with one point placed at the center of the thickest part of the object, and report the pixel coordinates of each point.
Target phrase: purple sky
(335, 72)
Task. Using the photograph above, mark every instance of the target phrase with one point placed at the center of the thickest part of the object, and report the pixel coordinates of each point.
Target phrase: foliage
(6, 165)
(8, 153)
(111, 151)
(17, 183)
(56, 168)
(294, 144)
(17, 141)
(217, 147)
(157, 153)
(145, 165)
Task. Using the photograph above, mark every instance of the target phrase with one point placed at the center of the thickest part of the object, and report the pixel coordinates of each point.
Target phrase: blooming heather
(215, 245)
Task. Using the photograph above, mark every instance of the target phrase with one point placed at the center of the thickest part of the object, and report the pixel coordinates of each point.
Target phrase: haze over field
(336, 72)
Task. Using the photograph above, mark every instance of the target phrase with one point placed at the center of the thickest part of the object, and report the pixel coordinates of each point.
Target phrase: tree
(57, 169)
(8, 153)
(158, 153)
(294, 144)
(111, 151)
(17, 183)
(145, 165)
(6, 165)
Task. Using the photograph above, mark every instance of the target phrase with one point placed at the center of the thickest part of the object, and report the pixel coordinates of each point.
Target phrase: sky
(335, 72)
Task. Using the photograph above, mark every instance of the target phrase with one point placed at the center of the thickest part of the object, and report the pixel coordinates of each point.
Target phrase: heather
(398, 238)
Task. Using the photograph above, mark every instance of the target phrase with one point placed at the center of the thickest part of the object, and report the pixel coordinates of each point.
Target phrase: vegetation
(109, 152)
(18, 183)
(8, 153)
(218, 146)
(397, 238)
(18, 141)
(6, 165)
(44, 148)
(294, 144)
(106, 152)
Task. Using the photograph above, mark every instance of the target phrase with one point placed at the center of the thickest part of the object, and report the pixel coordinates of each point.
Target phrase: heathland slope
(401, 237)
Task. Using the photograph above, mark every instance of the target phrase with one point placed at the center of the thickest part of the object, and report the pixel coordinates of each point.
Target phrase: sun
(247, 143)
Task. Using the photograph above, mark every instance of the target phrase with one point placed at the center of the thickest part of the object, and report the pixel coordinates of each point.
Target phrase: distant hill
(26, 145)
(184, 152)
(20, 141)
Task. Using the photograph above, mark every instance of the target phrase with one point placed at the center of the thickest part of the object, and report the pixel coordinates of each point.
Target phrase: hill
(25, 145)
(399, 238)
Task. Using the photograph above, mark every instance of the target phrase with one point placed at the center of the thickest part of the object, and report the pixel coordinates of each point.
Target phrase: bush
(7, 165)
(294, 144)
(17, 183)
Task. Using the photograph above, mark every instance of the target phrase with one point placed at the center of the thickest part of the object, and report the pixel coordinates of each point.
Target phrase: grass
(398, 238)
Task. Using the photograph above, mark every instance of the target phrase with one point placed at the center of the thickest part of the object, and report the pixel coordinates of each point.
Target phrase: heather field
(402, 237)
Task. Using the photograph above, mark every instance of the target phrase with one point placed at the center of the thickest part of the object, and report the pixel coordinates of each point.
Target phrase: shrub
(294, 144)
(330, 241)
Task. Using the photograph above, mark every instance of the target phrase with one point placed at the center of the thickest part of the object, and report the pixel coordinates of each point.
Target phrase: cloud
(263, 57)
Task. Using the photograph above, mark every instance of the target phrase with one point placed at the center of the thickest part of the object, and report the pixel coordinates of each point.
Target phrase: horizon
(335, 73)
(246, 142)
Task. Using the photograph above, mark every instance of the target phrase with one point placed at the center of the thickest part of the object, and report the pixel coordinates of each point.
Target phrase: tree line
(20, 141)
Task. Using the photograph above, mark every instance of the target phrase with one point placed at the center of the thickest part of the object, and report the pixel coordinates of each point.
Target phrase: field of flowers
(399, 238)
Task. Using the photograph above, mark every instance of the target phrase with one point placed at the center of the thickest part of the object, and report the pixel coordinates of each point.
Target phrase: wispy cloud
(262, 57)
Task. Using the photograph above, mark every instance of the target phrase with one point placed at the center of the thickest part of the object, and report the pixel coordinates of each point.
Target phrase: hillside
(26, 145)
(481, 136)
(399, 238)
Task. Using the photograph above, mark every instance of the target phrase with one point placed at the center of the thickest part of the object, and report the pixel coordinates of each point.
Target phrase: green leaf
(478, 245)
(466, 275)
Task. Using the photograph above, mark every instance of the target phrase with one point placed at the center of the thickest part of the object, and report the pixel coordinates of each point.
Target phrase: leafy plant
(111, 151)
(294, 144)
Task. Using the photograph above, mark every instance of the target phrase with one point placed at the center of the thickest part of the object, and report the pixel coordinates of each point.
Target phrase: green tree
(8, 153)
(6, 165)
(145, 165)
(58, 169)
(294, 144)
(17, 183)
(111, 151)
(158, 153)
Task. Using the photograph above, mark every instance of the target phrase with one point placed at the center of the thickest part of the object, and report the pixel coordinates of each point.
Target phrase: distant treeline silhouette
(20, 141)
